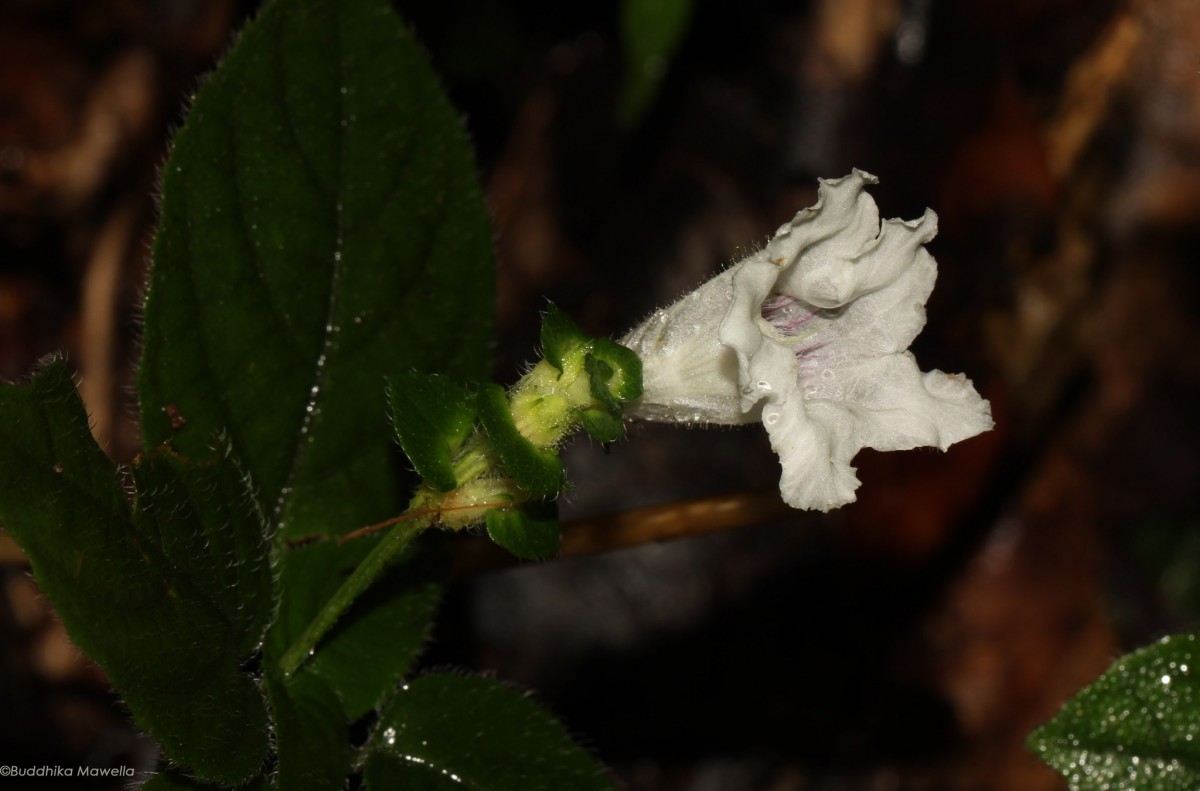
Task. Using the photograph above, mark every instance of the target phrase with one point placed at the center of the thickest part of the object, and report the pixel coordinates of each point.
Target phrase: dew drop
(771, 418)
(389, 736)
(827, 374)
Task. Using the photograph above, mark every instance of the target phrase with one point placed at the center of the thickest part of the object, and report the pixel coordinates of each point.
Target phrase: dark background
(908, 641)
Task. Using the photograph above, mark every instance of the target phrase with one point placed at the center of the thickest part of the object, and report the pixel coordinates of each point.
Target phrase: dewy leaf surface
(443, 731)
(1136, 727)
(170, 600)
(321, 226)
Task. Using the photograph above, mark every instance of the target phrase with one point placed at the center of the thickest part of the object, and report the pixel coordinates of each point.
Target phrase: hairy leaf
(310, 734)
(1136, 727)
(321, 227)
(477, 733)
(170, 600)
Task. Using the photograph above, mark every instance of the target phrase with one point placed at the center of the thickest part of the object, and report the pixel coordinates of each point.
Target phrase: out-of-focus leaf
(1136, 727)
(475, 733)
(170, 600)
(1168, 550)
(650, 32)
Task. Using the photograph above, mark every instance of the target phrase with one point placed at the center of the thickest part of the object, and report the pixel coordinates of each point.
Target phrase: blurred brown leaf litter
(909, 641)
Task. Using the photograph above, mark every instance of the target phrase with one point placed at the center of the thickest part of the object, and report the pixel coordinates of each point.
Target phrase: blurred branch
(478, 555)
(1092, 85)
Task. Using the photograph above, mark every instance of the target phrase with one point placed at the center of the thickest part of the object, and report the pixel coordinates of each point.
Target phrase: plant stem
(395, 542)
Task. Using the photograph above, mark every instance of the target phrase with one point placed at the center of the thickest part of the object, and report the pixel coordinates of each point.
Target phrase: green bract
(537, 470)
(530, 532)
(431, 416)
(503, 474)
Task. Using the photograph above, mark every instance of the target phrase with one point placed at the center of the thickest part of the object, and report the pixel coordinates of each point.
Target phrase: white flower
(810, 335)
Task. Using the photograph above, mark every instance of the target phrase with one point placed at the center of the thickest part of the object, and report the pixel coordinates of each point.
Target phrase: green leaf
(560, 335)
(1136, 727)
(311, 737)
(431, 416)
(169, 602)
(478, 733)
(211, 534)
(379, 639)
(321, 226)
(530, 532)
(384, 772)
(538, 471)
(650, 31)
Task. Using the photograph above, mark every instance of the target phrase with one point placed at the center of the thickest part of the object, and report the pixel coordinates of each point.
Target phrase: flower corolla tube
(810, 336)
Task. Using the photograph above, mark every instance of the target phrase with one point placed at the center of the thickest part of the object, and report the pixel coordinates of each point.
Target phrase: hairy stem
(386, 551)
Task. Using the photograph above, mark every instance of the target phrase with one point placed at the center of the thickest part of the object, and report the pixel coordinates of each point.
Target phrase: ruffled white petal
(810, 335)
